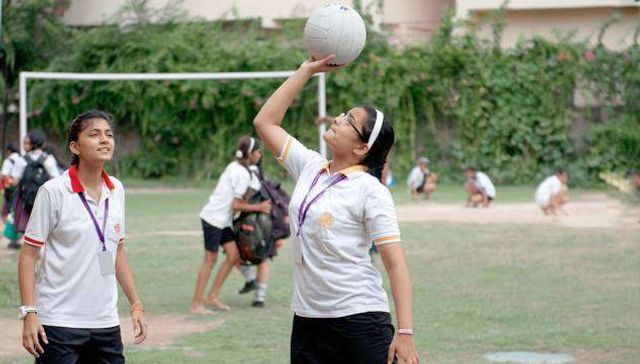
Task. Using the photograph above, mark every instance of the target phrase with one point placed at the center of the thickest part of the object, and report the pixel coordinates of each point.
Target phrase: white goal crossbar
(25, 76)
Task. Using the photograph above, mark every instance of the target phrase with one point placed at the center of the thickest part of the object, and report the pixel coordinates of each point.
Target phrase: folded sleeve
(241, 179)
(294, 156)
(380, 216)
(43, 219)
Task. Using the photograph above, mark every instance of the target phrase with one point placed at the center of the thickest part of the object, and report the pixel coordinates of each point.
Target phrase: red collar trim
(77, 187)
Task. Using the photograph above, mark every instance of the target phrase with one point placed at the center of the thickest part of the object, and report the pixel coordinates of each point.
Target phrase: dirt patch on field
(164, 330)
(590, 211)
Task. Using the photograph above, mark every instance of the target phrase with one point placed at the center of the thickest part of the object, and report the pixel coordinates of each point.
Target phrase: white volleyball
(335, 29)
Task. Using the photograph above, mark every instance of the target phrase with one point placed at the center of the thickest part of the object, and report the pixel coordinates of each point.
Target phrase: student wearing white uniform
(217, 221)
(9, 190)
(480, 189)
(338, 208)
(421, 179)
(552, 193)
(79, 218)
(11, 158)
(27, 186)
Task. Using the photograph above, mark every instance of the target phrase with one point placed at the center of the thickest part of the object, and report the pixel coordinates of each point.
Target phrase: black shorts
(357, 339)
(215, 237)
(68, 345)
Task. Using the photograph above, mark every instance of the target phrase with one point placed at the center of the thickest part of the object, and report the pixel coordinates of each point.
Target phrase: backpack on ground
(34, 176)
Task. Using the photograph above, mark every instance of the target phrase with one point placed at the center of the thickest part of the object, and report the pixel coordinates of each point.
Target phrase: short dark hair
(376, 157)
(37, 139)
(12, 147)
(561, 170)
(79, 123)
(469, 168)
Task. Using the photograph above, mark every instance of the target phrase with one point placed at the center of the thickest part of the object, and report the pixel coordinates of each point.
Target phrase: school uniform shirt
(416, 178)
(71, 290)
(254, 184)
(50, 165)
(549, 187)
(8, 163)
(233, 183)
(333, 272)
(483, 183)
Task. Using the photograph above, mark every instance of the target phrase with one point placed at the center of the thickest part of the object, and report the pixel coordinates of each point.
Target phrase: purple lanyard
(93, 218)
(304, 207)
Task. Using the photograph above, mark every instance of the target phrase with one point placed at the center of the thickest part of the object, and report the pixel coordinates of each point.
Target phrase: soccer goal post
(26, 76)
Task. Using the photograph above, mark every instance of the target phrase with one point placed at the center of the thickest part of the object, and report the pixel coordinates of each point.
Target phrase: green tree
(32, 35)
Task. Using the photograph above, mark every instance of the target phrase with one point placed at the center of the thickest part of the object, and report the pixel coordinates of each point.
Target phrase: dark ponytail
(377, 156)
(79, 123)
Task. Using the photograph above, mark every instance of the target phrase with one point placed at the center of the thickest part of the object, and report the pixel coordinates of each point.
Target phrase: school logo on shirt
(325, 220)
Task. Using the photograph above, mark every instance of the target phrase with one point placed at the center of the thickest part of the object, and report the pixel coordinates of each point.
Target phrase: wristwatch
(24, 310)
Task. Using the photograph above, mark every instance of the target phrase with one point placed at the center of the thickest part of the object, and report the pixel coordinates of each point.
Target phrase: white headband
(376, 129)
(252, 144)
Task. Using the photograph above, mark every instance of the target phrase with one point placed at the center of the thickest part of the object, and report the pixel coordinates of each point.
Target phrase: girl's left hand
(139, 326)
(404, 349)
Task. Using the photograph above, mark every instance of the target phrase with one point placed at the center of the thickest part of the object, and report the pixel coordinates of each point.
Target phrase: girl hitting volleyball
(77, 225)
(217, 221)
(337, 209)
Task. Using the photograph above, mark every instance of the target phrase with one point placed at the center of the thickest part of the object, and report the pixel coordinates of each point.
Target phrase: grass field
(477, 288)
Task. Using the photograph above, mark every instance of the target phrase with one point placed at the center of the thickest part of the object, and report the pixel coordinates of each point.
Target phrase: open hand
(404, 349)
(31, 329)
(139, 326)
(323, 65)
(265, 207)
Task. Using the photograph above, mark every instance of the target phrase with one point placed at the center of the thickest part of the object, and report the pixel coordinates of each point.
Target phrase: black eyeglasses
(351, 122)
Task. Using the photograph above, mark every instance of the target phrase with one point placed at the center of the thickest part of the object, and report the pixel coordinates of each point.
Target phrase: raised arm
(269, 119)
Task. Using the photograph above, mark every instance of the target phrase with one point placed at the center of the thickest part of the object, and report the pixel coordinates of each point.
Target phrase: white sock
(261, 292)
(248, 273)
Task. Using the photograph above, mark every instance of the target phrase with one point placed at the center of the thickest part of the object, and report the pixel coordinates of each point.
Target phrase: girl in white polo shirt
(552, 194)
(217, 221)
(79, 218)
(338, 208)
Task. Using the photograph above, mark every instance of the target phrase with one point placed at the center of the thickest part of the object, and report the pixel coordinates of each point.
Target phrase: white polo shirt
(233, 183)
(483, 183)
(333, 272)
(8, 163)
(255, 184)
(549, 187)
(71, 291)
(49, 164)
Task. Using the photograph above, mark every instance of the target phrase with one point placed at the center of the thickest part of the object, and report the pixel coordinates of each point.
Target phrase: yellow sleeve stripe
(387, 239)
(285, 153)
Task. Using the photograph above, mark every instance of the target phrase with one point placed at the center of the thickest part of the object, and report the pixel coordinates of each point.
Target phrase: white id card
(296, 249)
(107, 265)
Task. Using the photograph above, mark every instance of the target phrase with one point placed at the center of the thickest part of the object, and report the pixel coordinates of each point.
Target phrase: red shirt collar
(77, 187)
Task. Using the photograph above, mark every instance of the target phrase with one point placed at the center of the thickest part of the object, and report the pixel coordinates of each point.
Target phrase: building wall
(408, 20)
(547, 18)
(585, 23)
